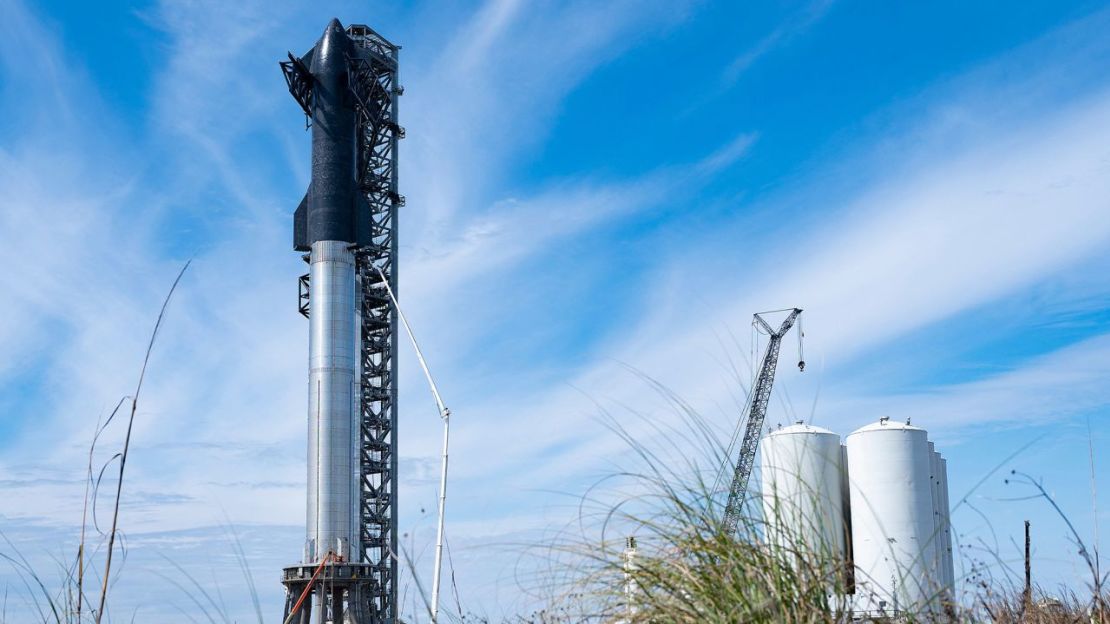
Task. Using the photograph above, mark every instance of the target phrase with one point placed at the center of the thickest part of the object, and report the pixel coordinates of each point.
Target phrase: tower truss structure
(374, 86)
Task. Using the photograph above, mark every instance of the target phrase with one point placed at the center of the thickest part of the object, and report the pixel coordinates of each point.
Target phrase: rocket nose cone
(333, 30)
(335, 38)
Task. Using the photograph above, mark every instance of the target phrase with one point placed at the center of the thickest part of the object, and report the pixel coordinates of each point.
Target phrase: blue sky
(590, 186)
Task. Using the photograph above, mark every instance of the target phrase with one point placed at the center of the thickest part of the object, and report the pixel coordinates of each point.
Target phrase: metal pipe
(439, 528)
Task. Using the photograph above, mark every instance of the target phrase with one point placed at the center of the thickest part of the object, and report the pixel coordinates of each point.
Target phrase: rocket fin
(308, 56)
(300, 226)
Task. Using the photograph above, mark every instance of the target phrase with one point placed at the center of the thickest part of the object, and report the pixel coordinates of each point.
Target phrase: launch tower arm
(761, 397)
(299, 79)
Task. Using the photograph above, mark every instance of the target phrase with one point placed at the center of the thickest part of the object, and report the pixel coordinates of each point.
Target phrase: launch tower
(346, 225)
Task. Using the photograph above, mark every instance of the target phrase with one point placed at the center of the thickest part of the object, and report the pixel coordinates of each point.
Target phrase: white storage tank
(895, 550)
(942, 537)
(948, 570)
(802, 470)
(937, 561)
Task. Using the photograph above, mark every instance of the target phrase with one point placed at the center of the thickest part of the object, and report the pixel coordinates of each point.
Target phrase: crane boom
(761, 397)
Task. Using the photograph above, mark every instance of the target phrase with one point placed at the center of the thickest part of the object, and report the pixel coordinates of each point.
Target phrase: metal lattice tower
(374, 82)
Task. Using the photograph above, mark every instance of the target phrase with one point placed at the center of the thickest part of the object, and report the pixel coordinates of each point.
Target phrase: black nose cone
(334, 33)
(334, 42)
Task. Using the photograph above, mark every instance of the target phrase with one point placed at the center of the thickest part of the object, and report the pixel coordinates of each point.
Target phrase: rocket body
(333, 400)
(331, 220)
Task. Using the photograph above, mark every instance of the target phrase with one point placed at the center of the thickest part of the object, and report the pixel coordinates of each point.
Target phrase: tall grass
(687, 568)
(69, 602)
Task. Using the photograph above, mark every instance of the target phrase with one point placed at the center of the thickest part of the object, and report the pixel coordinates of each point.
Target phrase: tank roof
(800, 427)
(886, 424)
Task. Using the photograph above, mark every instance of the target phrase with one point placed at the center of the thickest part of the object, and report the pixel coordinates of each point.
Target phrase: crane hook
(801, 352)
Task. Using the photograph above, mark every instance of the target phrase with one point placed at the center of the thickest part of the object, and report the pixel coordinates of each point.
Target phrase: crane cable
(445, 415)
(727, 466)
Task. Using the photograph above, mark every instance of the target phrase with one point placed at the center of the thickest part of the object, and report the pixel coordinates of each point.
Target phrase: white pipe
(439, 527)
(445, 414)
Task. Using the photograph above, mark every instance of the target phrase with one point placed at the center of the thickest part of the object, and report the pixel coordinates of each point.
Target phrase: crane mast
(761, 397)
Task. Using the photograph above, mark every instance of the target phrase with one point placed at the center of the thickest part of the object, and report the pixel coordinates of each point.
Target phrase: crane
(761, 396)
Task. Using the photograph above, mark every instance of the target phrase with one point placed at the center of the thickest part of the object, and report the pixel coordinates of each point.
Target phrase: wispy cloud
(906, 254)
(503, 73)
(793, 26)
(1052, 388)
(514, 228)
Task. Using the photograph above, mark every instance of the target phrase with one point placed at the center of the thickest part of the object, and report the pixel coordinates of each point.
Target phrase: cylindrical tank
(846, 514)
(890, 469)
(936, 563)
(802, 497)
(949, 576)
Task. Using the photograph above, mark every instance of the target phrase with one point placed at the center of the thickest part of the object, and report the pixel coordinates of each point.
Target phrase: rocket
(345, 227)
(333, 208)
(331, 221)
